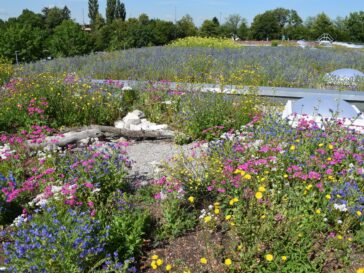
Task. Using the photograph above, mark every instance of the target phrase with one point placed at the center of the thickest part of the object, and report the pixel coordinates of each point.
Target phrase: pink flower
(88, 185)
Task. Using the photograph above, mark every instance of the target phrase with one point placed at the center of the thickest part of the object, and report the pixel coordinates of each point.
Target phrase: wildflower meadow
(251, 194)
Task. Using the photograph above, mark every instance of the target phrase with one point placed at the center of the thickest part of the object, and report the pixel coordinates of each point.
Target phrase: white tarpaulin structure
(344, 76)
(318, 108)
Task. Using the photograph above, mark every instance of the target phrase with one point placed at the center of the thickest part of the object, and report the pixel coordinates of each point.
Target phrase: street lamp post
(16, 57)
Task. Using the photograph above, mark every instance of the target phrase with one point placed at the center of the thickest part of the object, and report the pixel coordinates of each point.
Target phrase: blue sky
(198, 9)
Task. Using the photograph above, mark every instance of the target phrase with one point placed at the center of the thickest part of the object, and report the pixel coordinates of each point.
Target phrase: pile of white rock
(136, 121)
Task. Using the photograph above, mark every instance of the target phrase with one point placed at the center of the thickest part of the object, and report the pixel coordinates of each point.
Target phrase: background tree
(110, 11)
(55, 16)
(209, 28)
(321, 24)
(232, 24)
(25, 39)
(216, 21)
(120, 12)
(243, 30)
(341, 30)
(186, 27)
(69, 39)
(265, 26)
(93, 11)
(355, 25)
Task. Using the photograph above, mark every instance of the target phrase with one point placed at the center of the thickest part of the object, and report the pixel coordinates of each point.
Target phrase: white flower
(341, 207)
(339, 222)
(126, 88)
(211, 207)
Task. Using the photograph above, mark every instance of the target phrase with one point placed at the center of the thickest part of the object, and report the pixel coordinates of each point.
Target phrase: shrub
(204, 42)
(6, 71)
(47, 100)
(290, 198)
(55, 241)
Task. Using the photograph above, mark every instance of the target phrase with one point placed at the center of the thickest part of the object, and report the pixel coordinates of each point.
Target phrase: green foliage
(128, 228)
(120, 12)
(204, 42)
(209, 28)
(69, 39)
(6, 71)
(186, 27)
(54, 16)
(177, 219)
(93, 11)
(265, 26)
(25, 39)
(355, 26)
(56, 240)
(47, 100)
(203, 113)
(263, 189)
(275, 43)
(110, 11)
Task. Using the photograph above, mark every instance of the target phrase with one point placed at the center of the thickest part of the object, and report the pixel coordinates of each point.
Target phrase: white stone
(158, 127)
(135, 127)
(119, 124)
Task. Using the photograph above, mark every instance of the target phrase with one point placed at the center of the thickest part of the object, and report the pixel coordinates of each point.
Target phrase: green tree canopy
(209, 28)
(25, 39)
(355, 26)
(55, 16)
(120, 12)
(69, 39)
(186, 27)
(93, 11)
(110, 11)
(265, 26)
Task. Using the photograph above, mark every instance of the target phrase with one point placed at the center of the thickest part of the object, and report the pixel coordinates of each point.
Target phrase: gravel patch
(146, 156)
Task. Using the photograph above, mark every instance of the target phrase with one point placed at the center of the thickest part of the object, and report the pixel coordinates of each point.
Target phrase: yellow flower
(328, 196)
(203, 260)
(216, 211)
(339, 237)
(329, 159)
(186, 271)
(233, 201)
(321, 144)
(154, 257)
(207, 218)
(284, 258)
(247, 176)
(241, 172)
(261, 189)
(292, 148)
(359, 213)
(159, 262)
(269, 257)
(216, 204)
(240, 247)
(285, 175)
(228, 262)
(191, 199)
(350, 239)
(168, 267)
(318, 211)
(258, 195)
(330, 146)
(360, 270)
(153, 265)
(228, 217)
